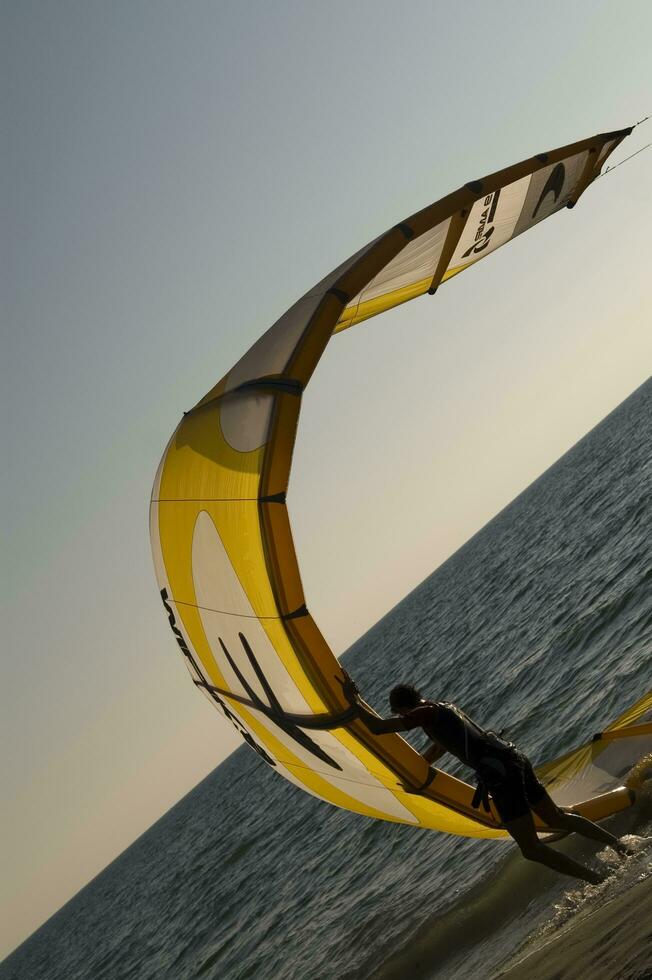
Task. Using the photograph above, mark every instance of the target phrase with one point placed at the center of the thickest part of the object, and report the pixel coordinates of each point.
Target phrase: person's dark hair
(403, 697)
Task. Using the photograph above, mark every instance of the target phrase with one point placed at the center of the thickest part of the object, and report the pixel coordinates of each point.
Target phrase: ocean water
(541, 624)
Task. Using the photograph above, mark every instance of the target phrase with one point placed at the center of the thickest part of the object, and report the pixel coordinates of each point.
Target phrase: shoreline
(614, 941)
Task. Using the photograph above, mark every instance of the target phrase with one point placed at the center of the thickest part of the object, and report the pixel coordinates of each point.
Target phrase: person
(501, 770)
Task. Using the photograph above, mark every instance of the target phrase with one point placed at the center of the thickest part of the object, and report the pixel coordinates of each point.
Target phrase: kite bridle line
(616, 165)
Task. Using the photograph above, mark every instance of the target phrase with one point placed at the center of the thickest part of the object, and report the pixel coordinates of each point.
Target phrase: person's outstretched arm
(379, 726)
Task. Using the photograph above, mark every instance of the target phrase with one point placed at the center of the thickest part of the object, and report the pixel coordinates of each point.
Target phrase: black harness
(493, 768)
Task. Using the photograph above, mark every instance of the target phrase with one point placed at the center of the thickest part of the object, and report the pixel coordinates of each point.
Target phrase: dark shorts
(513, 784)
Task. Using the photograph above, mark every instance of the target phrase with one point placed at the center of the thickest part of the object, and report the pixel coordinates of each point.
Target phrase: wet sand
(612, 943)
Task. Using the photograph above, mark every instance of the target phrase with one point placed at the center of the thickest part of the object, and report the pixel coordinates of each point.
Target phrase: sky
(174, 176)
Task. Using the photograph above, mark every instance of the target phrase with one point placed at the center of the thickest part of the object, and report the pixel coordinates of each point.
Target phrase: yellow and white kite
(223, 548)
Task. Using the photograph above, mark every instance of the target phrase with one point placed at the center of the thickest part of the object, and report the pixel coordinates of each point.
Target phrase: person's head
(403, 698)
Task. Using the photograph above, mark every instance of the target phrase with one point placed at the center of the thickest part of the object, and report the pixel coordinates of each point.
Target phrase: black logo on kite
(272, 710)
(199, 680)
(248, 738)
(486, 227)
(554, 185)
(178, 635)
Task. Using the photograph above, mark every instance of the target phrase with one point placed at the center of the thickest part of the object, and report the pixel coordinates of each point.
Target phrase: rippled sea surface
(541, 624)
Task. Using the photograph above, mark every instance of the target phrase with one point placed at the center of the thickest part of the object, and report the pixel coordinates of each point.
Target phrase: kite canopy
(223, 548)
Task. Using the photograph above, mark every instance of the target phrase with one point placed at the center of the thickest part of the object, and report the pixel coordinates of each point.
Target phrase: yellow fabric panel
(275, 629)
(238, 527)
(385, 756)
(200, 464)
(629, 731)
(632, 714)
(384, 773)
(353, 315)
(573, 763)
(313, 650)
(383, 251)
(570, 764)
(435, 816)
(363, 311)
(312, 780)
(460, 268)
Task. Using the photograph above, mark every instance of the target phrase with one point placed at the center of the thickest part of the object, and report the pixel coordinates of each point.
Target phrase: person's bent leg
(559, 819)
(523, 832)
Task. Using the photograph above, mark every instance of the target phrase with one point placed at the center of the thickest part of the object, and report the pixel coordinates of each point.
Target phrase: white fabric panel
(216, 584)
(226, 611)
(245, 419)
(491, 222)
(606, 149)
(353, 779)
(605, 773)
(156, 489)
(417, 261)
(272, 351)
(241, 728)
(219, 626)
(550, 189)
